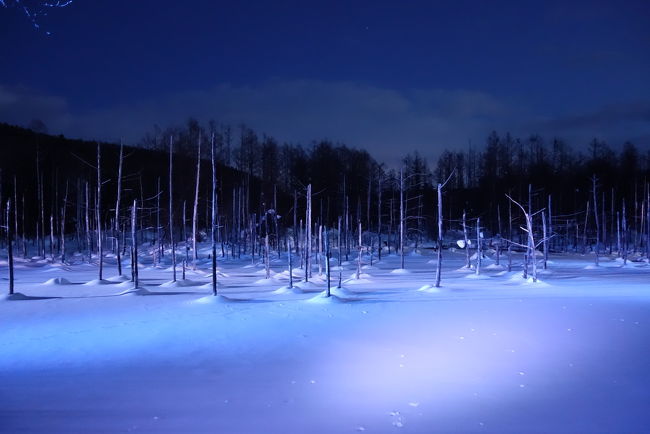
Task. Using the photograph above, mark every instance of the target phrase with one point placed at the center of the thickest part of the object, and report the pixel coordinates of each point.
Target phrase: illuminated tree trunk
(195, 215)
(213, 220)
(10, 248)
(117, 210)
(593, 190)
(100, 245)
(308, 236)
(172, 241)
(479, 249)
(134, 245)
(439, 262)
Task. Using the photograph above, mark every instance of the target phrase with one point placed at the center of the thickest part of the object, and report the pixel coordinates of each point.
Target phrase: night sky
(390, 77)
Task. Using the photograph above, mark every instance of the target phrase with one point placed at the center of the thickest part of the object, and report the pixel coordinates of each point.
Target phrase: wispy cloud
(385, 121)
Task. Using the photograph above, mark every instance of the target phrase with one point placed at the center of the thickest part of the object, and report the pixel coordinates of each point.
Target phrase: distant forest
(257, 174)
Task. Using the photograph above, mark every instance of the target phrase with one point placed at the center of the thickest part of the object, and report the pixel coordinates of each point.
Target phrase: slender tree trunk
(195, 213)
(509, 236)
(340, 246)
(172, 241)
(100, 245)
(10, 248)
(379, 245)
(545, 240)
(360, 252)
(320, 249)
(479, 250)
(213, 222)
(308, 236)
(327, 263)
(593, 190)
(134, 245)
(63, 212)
(117, 210)
(439, 262)
(468, 264)
(289, 247)
(52, 237)
(401, 217)
(584, 235)
(625, 235)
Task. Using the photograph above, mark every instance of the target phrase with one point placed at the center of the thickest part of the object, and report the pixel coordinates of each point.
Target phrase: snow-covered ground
(490, 353)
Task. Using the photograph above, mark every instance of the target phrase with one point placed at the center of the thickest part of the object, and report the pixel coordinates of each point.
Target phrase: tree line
(270, 196)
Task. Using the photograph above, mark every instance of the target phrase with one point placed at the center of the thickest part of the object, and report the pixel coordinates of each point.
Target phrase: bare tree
(99, 213)
(117, 210)
(134, 245)
(213, 220)
(172, 241)
(594, 180)
(439, 262)
(10, 249)
(195, 214)
(308, 236)
(466, 239)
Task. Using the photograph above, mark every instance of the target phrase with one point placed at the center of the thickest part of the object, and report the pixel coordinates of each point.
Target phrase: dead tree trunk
(468, 264)
(360, 252)
(87, 220)
(289, 247)
(308, 236)
(63, 212)
(117, 211)
(625, 236)
(172, 241)
(213, 219)
(340, 246)
(195, 214)
(328, 271)
(379, 246)
(545, 240)
(530, 245)
(10, 248)
(134, 245)
(593, 190)
(99, 213)
(479, 250)
(509, 236)
(401, 217)
(439, 262)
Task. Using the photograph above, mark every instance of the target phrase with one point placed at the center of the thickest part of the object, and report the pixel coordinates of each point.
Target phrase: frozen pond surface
(490, 353)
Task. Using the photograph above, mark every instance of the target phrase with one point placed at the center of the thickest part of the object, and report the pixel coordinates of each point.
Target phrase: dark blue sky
(388, 76)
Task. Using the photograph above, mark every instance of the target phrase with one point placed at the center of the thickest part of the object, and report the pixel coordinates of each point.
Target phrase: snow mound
(263, 271)
(361, 276)
(495, 267)
(400, 271)
(121, 278)
(591, 267)
(57, 281)
(322, 298)
(268, 281)
(355, 281)
(466, 270)
(181, 283)
(477, 276)
(19, 296)
(309, 286)
(429, 288)
(218, 299)
(518, 278)
(96, 282)
(287, 290)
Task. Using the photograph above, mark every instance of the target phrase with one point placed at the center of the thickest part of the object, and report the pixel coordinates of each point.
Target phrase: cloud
(387, 122)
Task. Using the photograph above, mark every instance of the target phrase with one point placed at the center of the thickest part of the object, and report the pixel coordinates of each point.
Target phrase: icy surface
(387, 353)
